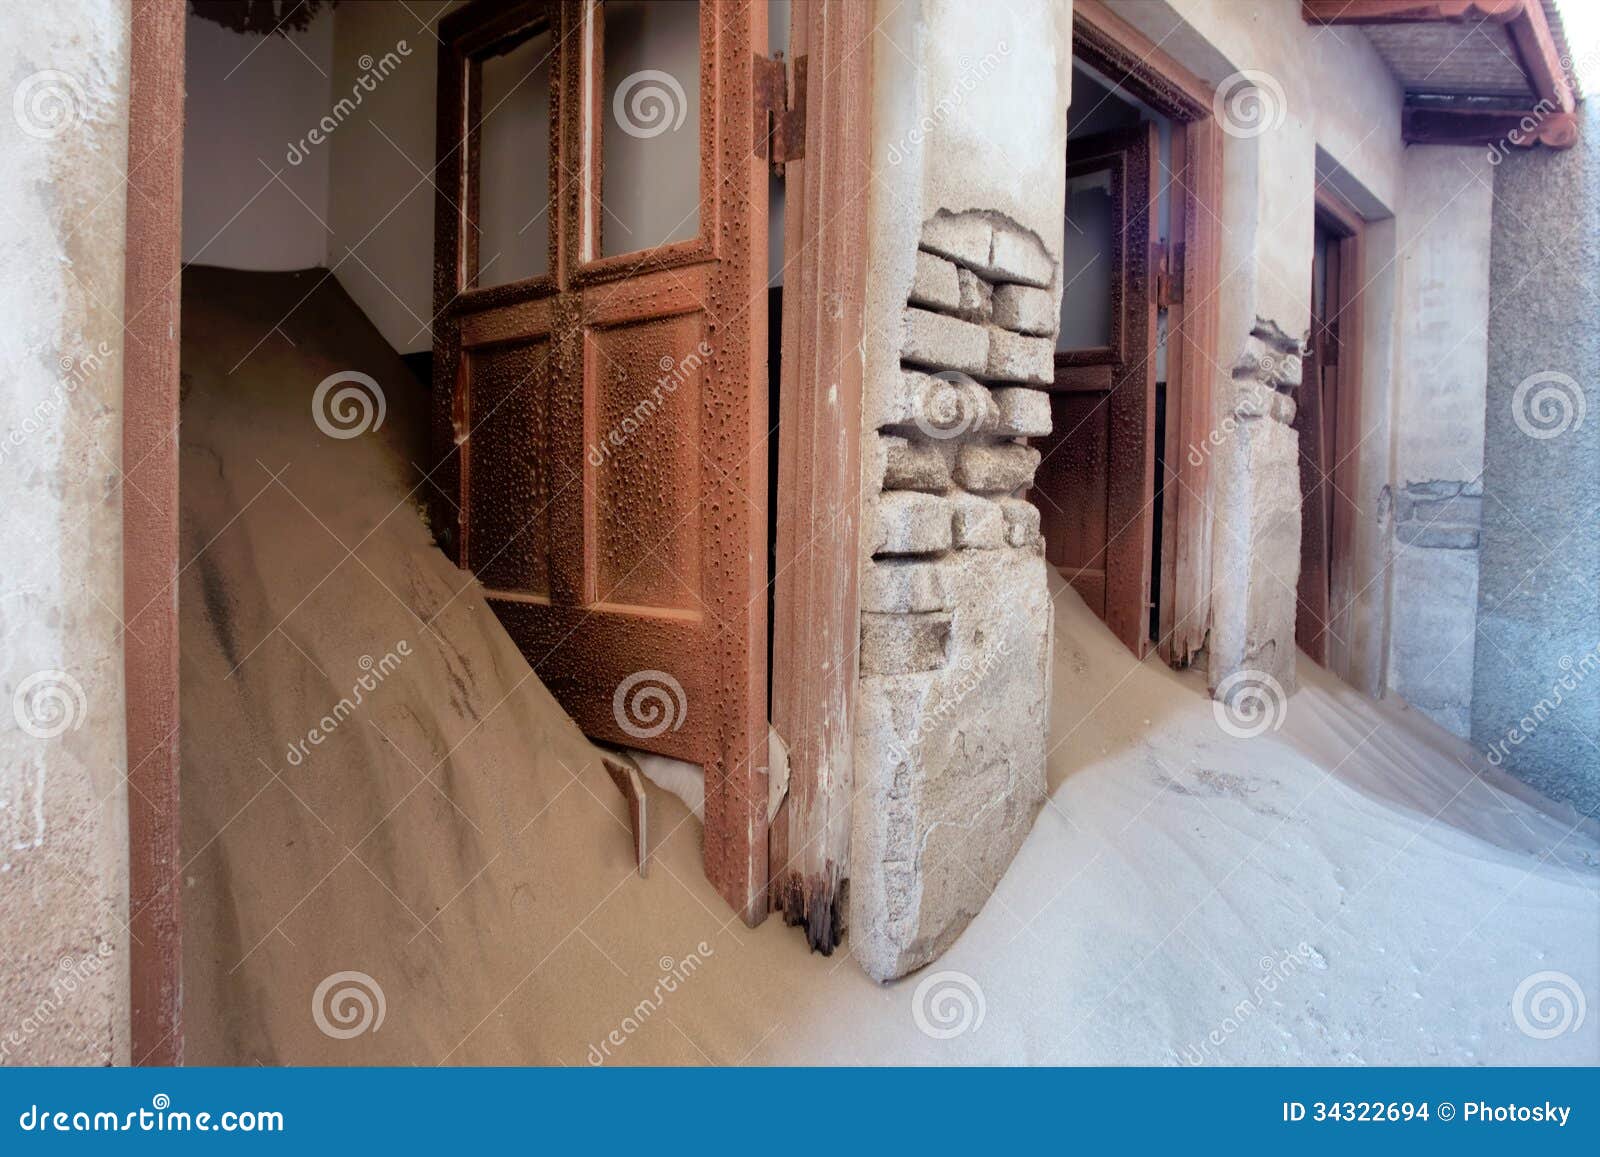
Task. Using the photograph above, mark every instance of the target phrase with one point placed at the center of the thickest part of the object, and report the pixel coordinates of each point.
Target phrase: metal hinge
(1169, 275)
(780, 120)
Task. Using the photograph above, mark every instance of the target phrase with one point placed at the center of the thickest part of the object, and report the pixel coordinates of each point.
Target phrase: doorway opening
(450, 220)
(1327, 419)
(1123, 508)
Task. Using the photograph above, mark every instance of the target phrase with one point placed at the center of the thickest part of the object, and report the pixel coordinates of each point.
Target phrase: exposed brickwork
(978, 331)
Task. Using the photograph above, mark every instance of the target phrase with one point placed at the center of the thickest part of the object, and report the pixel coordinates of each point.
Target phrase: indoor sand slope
(456, 840)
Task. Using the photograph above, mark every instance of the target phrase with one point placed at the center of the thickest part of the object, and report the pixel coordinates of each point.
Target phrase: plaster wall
(969, 133)
(63, 802)
(1436, 494)
(248, 203)
(1536, 683)
(1295, 102)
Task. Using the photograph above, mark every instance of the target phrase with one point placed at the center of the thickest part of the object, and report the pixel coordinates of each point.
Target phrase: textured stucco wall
(1536, 686)
(63, 802)
(969, 134)
(1436, 492)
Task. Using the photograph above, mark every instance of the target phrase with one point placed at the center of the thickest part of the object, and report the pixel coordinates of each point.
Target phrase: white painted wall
(63, 793)
(381, 191)
(251, 102)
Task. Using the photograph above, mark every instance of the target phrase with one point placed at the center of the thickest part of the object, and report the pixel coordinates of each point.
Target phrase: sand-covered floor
(1355, 887)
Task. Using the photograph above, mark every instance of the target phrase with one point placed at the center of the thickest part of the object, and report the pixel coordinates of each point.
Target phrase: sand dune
(1353, 887)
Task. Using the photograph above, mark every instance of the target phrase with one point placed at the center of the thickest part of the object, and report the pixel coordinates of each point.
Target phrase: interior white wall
(381, 188)
(250, 100)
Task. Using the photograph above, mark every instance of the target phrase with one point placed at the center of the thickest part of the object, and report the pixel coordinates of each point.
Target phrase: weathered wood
(819, 473)
(625, 553)
(152, 296)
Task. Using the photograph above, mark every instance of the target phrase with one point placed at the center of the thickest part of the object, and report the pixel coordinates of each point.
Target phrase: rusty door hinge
(1169, 275)
(780, 121)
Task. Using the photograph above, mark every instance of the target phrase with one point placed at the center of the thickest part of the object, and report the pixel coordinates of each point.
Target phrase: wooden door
(601, 400)
(1316, 420)
(1095, 485)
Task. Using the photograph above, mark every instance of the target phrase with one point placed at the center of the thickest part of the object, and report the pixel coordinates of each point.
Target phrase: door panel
(1095, 485)
(1316, 417)
(605, 425)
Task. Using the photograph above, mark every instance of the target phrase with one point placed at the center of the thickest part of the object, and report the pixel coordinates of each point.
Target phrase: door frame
(816, 619)
(1127, 57)
(1347, 231)
(152, 295)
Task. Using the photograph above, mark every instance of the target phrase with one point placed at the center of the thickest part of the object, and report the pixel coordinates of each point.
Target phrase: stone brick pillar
(963, 301)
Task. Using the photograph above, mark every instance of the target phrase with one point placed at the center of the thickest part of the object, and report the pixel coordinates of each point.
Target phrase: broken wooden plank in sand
(625, 774)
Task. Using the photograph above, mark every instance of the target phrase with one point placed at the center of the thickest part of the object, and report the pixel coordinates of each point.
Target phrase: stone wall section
(955, 615)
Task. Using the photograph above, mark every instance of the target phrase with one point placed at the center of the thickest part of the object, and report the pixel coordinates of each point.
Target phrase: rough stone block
(946, 343)
(1023, 413)
(903, 644)
(1016, 358)
(976, 297)
(963, 238)
(1018, 256)
(1026, 309)
(911, 523)
(979, 523)
(995, 468)
(1022, 521)
(913, 465)
(935, 284)
(903, 586)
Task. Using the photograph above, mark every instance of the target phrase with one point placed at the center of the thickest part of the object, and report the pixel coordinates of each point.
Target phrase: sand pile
(454, 841)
